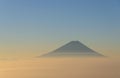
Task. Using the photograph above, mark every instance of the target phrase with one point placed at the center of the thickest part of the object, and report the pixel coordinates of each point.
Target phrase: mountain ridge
(72, 49)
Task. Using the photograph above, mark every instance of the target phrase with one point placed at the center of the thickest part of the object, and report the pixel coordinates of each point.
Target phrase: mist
(61, 68)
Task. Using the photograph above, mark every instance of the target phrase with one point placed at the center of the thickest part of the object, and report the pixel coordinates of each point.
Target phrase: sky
(29, 28)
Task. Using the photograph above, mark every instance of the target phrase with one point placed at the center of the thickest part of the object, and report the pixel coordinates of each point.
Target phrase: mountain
(72, 49)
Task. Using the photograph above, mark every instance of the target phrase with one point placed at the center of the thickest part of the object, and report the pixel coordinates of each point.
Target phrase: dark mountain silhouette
(72, 49)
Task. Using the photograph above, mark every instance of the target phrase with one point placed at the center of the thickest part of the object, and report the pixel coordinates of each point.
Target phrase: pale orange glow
(61, 68)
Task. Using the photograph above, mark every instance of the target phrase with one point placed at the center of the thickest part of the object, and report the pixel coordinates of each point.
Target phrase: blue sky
(45, 22)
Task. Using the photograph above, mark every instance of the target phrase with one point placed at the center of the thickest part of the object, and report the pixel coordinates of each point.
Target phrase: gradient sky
(29, 28)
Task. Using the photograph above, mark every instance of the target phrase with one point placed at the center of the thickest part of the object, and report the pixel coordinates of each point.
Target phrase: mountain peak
(73, 48)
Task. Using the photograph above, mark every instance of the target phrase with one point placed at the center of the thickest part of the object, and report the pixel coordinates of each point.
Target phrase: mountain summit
(72, 49)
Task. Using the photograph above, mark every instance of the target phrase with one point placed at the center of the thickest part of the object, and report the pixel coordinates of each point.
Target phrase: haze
(61, 68)
(30, 28)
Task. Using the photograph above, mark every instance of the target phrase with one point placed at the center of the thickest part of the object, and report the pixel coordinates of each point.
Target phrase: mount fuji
(73, 49)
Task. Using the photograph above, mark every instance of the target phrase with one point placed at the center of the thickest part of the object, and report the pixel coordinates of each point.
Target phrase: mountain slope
(72, 49)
